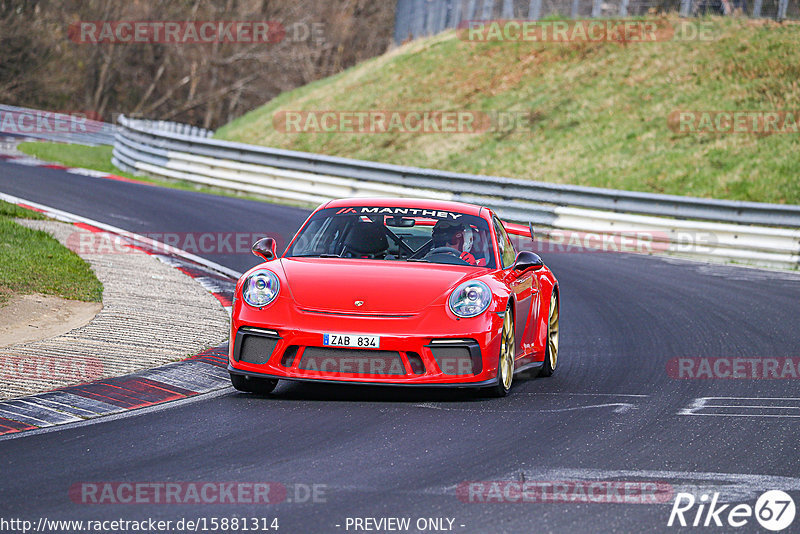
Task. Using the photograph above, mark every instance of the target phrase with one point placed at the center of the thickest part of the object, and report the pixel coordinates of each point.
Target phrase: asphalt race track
(610, 413)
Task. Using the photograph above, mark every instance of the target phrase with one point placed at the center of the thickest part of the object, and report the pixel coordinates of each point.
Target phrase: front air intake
(457, 357)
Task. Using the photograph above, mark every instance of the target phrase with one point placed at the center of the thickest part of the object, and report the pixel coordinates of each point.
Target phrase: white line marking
(754, 407)
(621, 407)
(753, 398)
(759, 416)
(703, 403)
(41, 406)
(22, 418)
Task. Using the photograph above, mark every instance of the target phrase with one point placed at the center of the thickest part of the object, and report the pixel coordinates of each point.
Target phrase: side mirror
(528, 260)
(266, 248)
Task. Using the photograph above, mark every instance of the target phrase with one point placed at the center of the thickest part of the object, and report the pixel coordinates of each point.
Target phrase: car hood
(384, 287)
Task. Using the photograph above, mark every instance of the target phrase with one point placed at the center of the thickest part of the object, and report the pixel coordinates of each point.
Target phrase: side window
(507, 253)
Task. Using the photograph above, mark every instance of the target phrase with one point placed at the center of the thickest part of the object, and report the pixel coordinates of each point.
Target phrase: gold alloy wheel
(552, 332)
(507, 351)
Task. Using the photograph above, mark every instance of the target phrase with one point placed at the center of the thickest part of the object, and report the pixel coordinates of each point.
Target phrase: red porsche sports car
(401, 292)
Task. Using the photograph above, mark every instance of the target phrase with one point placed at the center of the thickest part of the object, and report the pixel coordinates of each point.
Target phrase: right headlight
(260, 288)
(470, 299)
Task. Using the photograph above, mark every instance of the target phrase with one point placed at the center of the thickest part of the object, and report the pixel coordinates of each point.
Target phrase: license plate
(351, 340)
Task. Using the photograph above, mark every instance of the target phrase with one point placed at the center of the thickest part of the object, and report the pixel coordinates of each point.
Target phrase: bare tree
(204, 84)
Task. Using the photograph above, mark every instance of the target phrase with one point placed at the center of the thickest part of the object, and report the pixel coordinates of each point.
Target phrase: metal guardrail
(766, 234)
(54, 126)
(171, 127)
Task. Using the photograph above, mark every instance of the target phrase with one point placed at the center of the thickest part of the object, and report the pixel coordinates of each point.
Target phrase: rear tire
(246, 384)
(551, 351)
(505, 363)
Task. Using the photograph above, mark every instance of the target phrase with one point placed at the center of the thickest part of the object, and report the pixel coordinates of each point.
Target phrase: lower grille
(454, 360)
(256, 349)
(355, 361)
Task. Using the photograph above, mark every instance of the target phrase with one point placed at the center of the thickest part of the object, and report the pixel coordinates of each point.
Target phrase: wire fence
(419, 18)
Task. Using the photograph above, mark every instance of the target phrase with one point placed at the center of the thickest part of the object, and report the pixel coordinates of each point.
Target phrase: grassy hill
(597, 112)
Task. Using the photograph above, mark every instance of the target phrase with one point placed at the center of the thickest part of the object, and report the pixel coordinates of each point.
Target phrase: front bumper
(446, 357)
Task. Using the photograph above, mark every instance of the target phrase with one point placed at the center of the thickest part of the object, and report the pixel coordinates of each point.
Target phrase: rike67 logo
(774, 510)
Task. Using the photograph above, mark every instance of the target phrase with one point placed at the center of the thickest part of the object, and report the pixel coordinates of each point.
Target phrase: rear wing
(519, 229)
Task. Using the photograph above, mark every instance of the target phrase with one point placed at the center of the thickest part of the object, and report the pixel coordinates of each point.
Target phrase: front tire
(505, 364)
(246, 384)
(551, 351)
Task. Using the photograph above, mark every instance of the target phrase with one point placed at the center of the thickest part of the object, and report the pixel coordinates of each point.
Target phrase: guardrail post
(471, 7)
(429, 16)
(401, 19)
(623, 8)
(488, 10)
(432, 24)
(457, 14)
(575, 4)
(782, 5)
(686, 8)
(444, 11)
(508, 9)
(597, 8)
(757, 9)
(418, 19)
(535, 10)
(433, 17)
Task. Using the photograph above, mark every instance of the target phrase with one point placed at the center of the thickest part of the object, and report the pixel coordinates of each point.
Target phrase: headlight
(470, 299)
(260, 288)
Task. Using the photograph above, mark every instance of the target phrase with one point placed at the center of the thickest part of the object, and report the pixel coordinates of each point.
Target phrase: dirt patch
(26, 318)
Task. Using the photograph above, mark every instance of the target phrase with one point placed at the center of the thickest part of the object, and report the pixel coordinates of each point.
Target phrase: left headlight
(470, 299)
(260, 288)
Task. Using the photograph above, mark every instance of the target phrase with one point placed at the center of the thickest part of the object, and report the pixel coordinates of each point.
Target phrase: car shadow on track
(305, 391)
(298, 391)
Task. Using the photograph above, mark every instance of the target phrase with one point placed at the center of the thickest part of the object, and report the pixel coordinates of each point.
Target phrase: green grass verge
(599, 110)
(97, 158)
(32, 261)
(87, 157)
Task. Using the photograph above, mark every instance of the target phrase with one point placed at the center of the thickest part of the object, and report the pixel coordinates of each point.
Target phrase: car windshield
(396, 234)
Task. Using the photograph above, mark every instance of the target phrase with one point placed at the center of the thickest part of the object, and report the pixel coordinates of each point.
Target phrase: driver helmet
(453, 234)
